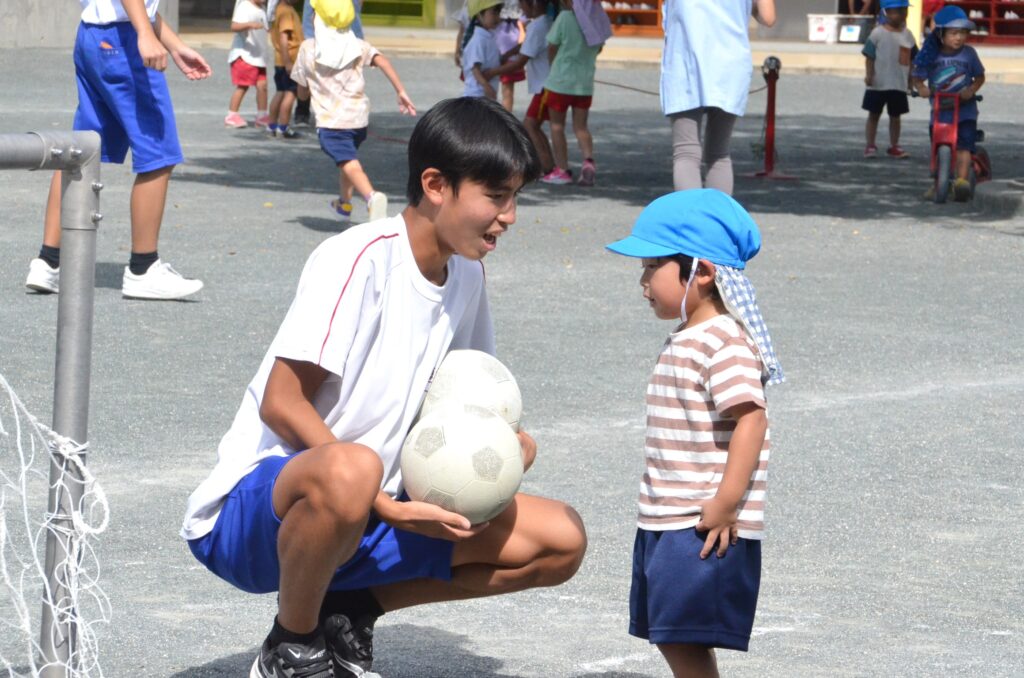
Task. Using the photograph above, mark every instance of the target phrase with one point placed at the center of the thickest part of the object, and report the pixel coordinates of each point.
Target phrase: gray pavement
(896, 497)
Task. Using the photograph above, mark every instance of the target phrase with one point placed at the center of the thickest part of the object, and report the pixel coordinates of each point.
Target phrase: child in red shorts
(570, 84)
(248, 59)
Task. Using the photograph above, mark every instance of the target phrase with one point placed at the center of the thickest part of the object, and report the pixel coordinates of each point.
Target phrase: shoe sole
(157, 297)
(556, 182)
(41, 289)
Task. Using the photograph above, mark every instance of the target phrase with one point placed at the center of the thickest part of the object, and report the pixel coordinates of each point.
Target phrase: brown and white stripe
(702, 372)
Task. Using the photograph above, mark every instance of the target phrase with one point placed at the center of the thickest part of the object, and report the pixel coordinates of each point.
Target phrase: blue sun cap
(895, 4)
(703, 223)
(952, 16)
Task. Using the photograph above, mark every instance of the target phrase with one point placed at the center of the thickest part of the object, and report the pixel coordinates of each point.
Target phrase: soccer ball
(463, 458)
(476, 378)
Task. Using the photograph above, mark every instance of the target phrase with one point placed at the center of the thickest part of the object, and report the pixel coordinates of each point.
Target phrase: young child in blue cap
(887, 54)
(703, 490)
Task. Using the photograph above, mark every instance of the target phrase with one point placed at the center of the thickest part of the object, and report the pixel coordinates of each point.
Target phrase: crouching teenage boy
(306, 498)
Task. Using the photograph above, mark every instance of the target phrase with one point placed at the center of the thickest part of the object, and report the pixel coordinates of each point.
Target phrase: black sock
(302, 107)
(140, 262)
(51, 255)
(279, 634)
(352, 604)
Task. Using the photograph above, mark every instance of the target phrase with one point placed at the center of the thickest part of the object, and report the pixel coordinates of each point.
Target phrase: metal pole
(77, 156)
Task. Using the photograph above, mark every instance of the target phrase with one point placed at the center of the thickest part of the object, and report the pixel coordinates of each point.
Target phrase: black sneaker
(292, 660)
(350, 645)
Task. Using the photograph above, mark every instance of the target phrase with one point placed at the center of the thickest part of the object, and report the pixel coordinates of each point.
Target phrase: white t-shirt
(109, 11)
(364, 312)
(251, 45)
(535, 47)
(481, 49)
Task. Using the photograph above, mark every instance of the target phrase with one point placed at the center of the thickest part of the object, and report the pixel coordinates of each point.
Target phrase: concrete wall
(51, 23)
(791, 23)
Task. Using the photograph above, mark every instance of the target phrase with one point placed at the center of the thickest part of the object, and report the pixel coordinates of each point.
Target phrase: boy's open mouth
(490, 239)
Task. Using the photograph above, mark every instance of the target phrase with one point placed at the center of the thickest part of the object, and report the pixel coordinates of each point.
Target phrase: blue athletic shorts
(125, 102)
(283, 81)
(341, 144)
(678, 598)
(242, 548)
(966, 135)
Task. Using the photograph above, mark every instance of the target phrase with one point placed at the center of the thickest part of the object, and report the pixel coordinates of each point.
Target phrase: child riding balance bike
(954, 75)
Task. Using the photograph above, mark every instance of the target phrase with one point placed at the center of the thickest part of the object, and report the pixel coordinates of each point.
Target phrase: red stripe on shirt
(345, 287)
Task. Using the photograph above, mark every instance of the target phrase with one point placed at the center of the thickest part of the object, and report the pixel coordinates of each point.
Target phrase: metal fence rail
(77, 155)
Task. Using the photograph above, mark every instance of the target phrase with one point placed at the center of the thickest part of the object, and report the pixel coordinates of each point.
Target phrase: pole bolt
(56, 152)
(97, 186)
(76, 153)
(97, 217)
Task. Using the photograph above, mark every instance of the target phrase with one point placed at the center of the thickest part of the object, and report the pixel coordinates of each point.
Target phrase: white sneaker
(159, 282)
(377, 206)
(42, 278)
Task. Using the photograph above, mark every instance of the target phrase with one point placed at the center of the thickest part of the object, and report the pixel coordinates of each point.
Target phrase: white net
(76, 603)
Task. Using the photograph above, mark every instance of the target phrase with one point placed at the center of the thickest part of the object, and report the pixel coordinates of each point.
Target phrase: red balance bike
(943, 157)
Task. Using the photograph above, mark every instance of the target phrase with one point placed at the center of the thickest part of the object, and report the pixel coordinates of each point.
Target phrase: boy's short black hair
(470, 138)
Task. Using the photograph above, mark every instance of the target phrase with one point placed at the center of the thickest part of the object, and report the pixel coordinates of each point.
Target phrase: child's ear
(705, 270)
(434, 185)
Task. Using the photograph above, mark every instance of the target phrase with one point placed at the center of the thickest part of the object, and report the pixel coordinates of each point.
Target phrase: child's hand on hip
(719, 521)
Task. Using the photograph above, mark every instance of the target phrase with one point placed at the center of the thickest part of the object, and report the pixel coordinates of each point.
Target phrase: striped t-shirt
(702, 372)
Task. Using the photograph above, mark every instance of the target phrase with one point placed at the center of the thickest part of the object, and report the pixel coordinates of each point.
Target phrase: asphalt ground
(896, 499)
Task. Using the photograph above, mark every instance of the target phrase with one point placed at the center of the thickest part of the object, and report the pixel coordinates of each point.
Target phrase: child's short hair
(470, 138)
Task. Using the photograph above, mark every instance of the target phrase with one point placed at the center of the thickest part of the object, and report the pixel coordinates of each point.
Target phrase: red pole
(771, 77)
(770, 71)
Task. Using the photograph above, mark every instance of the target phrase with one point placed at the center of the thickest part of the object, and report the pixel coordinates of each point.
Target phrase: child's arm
(405, 104)
(189, 61)
(283, 38)
(247, 26)
(919, 85)
(719, 514)
(514, 63)
(552, 51)
(869, 71)
(764, 12)
(967, 93)
(287, 405)
(484, 82)
(458, 45)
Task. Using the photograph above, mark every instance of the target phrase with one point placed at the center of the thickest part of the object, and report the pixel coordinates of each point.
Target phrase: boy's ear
(705, 272)
(434, 185)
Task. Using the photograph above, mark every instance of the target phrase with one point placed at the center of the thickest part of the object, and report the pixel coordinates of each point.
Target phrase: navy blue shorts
(678, 598)
(283, 80)
(341, 144)
(877, 99)
(125, 102)
(966, 135)
(242, 548)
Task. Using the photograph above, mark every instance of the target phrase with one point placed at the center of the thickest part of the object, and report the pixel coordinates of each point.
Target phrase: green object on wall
(398, 13)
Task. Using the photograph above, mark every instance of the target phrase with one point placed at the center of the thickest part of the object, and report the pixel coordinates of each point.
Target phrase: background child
(305, 497)
(248, 59)
(707, 431)
(286, 36)
(480, 56)
(950, 65)
(570, 84)
(331, 66)
(887, 76)
(533, 58)
(509, 35)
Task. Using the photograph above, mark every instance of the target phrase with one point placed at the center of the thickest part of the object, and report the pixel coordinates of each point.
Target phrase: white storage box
(822, 27)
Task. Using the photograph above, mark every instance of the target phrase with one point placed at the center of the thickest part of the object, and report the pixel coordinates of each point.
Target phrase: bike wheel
(943, 158)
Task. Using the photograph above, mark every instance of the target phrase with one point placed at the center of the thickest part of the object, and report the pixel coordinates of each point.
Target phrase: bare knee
(347, 479)
(567, 546)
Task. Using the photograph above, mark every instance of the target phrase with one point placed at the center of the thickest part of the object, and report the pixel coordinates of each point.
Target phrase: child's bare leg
(690, 661)
(51, 220)
(508, 90)
(583, 136)
(894, 131)
(871, 128)
(559, 146)
(352, 173)
(284, 110)
(236, 98)
(149, 195)
(540, 142)
(324, 497)
(963, 164)
(261, 96)
(275, 107)
(535, 542)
